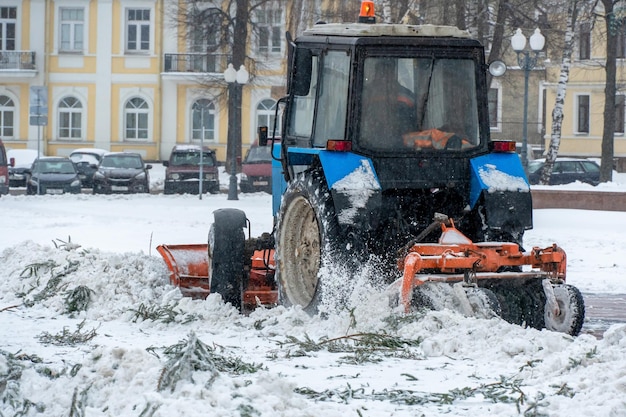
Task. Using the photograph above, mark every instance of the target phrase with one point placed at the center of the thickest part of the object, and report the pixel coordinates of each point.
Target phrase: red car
(256, 169)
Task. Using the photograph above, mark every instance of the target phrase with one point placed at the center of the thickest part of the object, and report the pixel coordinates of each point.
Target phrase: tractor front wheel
(306, 238)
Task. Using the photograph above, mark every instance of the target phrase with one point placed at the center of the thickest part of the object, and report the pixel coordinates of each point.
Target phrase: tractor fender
(499, 183)
(351, 179)
(354, 186)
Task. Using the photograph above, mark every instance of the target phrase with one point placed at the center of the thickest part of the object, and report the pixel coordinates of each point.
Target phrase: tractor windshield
(422, 103)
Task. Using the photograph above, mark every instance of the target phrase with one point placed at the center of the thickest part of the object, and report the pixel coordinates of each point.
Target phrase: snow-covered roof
(363, 29)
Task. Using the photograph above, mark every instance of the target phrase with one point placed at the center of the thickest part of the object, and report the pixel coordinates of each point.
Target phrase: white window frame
(6, 108)
(138, 24)
(3, 27)
(75, 27)
(206, 108)
(262, 110)
(72, 113)
(140, 114)
(270, 21)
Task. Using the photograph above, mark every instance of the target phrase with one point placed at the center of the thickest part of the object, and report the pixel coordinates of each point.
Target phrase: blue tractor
(385, 141)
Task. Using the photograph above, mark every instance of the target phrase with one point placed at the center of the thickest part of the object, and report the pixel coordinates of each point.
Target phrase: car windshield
(534, 166)
(84, 157)
(54, 167)
(122, 161)
(191, 158)
(420, 103)
(258, 154)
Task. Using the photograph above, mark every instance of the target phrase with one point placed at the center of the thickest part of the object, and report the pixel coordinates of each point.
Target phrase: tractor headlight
(175, 177)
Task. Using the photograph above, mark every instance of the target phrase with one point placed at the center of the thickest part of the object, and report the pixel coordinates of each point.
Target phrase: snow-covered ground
(139, 349)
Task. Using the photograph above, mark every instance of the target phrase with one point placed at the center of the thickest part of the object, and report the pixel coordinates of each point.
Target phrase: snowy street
(115, 358)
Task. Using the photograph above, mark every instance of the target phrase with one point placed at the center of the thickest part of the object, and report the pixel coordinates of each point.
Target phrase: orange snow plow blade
(456, 259)
(189, 268)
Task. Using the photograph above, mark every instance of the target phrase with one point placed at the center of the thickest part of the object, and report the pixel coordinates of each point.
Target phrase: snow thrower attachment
(240, 270)
(526, 288)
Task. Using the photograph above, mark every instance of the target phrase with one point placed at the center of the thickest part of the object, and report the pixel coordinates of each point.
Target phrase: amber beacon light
(367, 12)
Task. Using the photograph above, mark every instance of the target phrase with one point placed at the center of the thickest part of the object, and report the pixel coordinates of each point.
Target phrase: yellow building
(583, 121)
(121, 75)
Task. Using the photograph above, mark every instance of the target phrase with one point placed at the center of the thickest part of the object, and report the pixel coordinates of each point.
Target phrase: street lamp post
(527, 62)
(201, 167)
(235, 79)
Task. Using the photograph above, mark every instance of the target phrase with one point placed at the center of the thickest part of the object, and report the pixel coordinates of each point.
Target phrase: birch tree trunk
(557, 111)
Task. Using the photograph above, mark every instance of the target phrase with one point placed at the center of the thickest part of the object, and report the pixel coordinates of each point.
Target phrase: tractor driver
(388, 107)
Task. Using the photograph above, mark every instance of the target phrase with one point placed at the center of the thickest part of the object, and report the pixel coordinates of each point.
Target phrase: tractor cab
(407, 107)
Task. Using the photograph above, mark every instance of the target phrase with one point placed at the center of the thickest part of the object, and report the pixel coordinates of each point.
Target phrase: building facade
(125, 75)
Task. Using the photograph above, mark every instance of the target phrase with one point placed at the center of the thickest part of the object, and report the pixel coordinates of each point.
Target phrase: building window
(138, 30)
(269, 25)
(71, 33)
(584, 41)
(136, 116)
(70, 118)
(205, 30)
(8, 22)
(494, 108)
(582, 106)
(620, 102)
(266, 116)
(205, 26)
(203, 120)
(7, 118)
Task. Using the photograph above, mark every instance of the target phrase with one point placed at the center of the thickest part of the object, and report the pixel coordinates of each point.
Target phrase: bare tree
(614, 23)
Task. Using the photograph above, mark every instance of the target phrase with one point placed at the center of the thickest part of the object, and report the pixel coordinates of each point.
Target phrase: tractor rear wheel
(571, 311)
(226, 255)
(307, 238)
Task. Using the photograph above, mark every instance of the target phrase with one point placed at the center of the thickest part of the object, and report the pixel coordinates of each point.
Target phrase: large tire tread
(226, 255)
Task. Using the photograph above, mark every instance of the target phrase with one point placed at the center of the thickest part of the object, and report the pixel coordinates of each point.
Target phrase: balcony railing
(17, 60)
(196, 62)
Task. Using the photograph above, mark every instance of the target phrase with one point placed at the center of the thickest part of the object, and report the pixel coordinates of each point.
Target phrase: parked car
(565, 171)
(182, 173)
(4, 172)
(121, 172)
(52, 175)
(22, 161)
(256, 169)
(86, 161)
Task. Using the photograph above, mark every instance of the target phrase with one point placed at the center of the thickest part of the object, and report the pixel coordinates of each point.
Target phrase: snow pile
(363, 358)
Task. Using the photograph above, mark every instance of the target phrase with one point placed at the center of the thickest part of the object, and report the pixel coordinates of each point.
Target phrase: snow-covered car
(52, 175)
(86, 161)
(565, 171)
(121, 172)
(22, 161)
